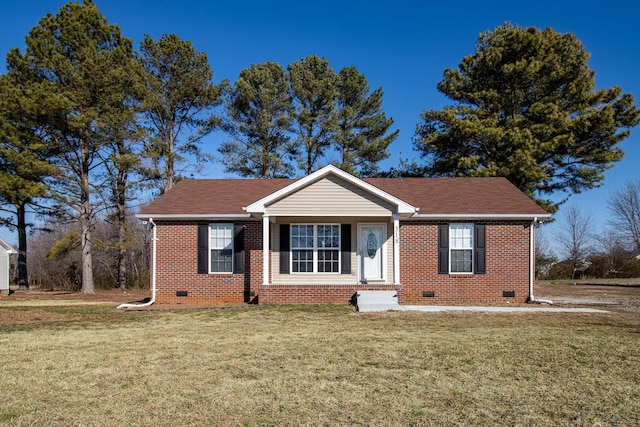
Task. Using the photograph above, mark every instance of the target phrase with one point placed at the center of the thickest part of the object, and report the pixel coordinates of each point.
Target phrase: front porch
(318, 294)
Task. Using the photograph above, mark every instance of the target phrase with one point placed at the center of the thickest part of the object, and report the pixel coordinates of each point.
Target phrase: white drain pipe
(532, 263)
(154, 239)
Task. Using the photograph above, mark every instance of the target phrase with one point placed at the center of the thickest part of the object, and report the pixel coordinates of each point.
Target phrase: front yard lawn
(253, 366)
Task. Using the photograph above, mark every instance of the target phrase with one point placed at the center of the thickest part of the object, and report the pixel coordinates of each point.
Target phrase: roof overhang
(260, 207)
(486, 217)
(195, 217)
(7, 247)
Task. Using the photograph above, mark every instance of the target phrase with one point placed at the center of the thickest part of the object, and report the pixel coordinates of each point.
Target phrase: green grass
(11, 413)
(319, 365)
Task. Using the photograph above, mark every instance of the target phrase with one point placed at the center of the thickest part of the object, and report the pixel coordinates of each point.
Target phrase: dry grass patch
(256, 366)
(619, 294)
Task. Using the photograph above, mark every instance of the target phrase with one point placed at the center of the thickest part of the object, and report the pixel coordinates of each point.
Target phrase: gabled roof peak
(7, 247)
(330, 170)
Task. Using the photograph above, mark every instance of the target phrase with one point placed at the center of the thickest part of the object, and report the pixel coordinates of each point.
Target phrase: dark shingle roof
(449, 196)
(444, 196)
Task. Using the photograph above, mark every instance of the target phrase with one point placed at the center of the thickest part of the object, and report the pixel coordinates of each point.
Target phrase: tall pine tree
(526, 108)
(259, 120)
(313, 87)
(361, 137)
(24, 159)
(180, 96)
(81, 61)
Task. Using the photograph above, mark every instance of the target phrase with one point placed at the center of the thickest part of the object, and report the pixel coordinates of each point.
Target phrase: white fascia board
(193, 217)
(341, 215)
(260, 205)
(482, 216)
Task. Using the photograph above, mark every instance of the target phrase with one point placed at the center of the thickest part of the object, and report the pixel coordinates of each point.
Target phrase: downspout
(154, 240)
(532, 264)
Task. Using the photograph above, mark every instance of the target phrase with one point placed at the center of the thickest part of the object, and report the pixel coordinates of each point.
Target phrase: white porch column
(396, 249)
(265, 249)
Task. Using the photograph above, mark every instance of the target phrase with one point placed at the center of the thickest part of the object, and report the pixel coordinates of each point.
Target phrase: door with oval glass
(371, 247)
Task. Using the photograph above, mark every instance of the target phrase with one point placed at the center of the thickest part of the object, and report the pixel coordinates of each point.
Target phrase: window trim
(209, 248)
(471, 247)
(315, 249)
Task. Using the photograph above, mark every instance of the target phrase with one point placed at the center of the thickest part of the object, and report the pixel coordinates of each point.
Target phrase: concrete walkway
(377, 301)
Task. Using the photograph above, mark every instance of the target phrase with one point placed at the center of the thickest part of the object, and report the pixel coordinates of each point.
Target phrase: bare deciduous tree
(624, 205)
(575, 237)
(545, 257)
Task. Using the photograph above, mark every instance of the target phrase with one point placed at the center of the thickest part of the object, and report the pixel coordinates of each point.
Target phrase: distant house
(322, 238)
(5, 251)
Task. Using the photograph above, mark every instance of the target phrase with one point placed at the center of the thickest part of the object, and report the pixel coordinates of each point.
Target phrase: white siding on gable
(331, 196)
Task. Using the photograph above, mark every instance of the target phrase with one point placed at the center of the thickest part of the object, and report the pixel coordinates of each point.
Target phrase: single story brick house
(322, 238)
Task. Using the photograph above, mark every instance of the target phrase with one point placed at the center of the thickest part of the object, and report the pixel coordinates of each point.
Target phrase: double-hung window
(461, 248)
(315, 248)
(221, 248)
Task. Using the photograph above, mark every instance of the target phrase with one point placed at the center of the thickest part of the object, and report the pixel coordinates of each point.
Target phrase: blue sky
(401, 46)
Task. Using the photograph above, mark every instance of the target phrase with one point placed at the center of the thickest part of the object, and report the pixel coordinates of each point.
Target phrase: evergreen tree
(82, 62)
(313, 88)
(259, 119)
(180, 92)
(121, 158)
(361, 133)
(526, 108)
(24, 160)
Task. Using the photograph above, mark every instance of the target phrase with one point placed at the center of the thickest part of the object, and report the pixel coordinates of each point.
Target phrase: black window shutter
(480, 246)
(203, 249)
(238, 248)
(345, 248)
(443, 249)
(284, 248)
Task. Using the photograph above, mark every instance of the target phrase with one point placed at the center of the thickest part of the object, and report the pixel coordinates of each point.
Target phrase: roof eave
(193, 217)
(461, 216)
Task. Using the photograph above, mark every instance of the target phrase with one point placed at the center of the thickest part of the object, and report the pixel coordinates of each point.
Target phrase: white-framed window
(315, 248)
(461, 248)
(220, 248)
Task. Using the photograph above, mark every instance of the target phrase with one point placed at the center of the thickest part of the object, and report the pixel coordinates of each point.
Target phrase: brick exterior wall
(507, 269)
(507, 260)
(177, 267)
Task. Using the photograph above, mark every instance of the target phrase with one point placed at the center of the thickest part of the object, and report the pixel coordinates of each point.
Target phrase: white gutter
(193, 217)
(481, 216)
(154, 239)
(532, 264)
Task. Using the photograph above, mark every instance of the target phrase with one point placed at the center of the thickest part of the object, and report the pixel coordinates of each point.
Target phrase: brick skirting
(316, 294)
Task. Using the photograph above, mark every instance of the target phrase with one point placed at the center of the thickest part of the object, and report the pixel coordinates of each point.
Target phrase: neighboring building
(5, 251)
(321, 238)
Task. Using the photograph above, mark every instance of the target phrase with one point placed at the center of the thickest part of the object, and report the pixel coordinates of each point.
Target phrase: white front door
(371, 245)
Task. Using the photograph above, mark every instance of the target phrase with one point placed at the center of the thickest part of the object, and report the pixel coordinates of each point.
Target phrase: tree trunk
(85, 224)
(23, 276)
(122, 241)
(87, 259)
(170, 162)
